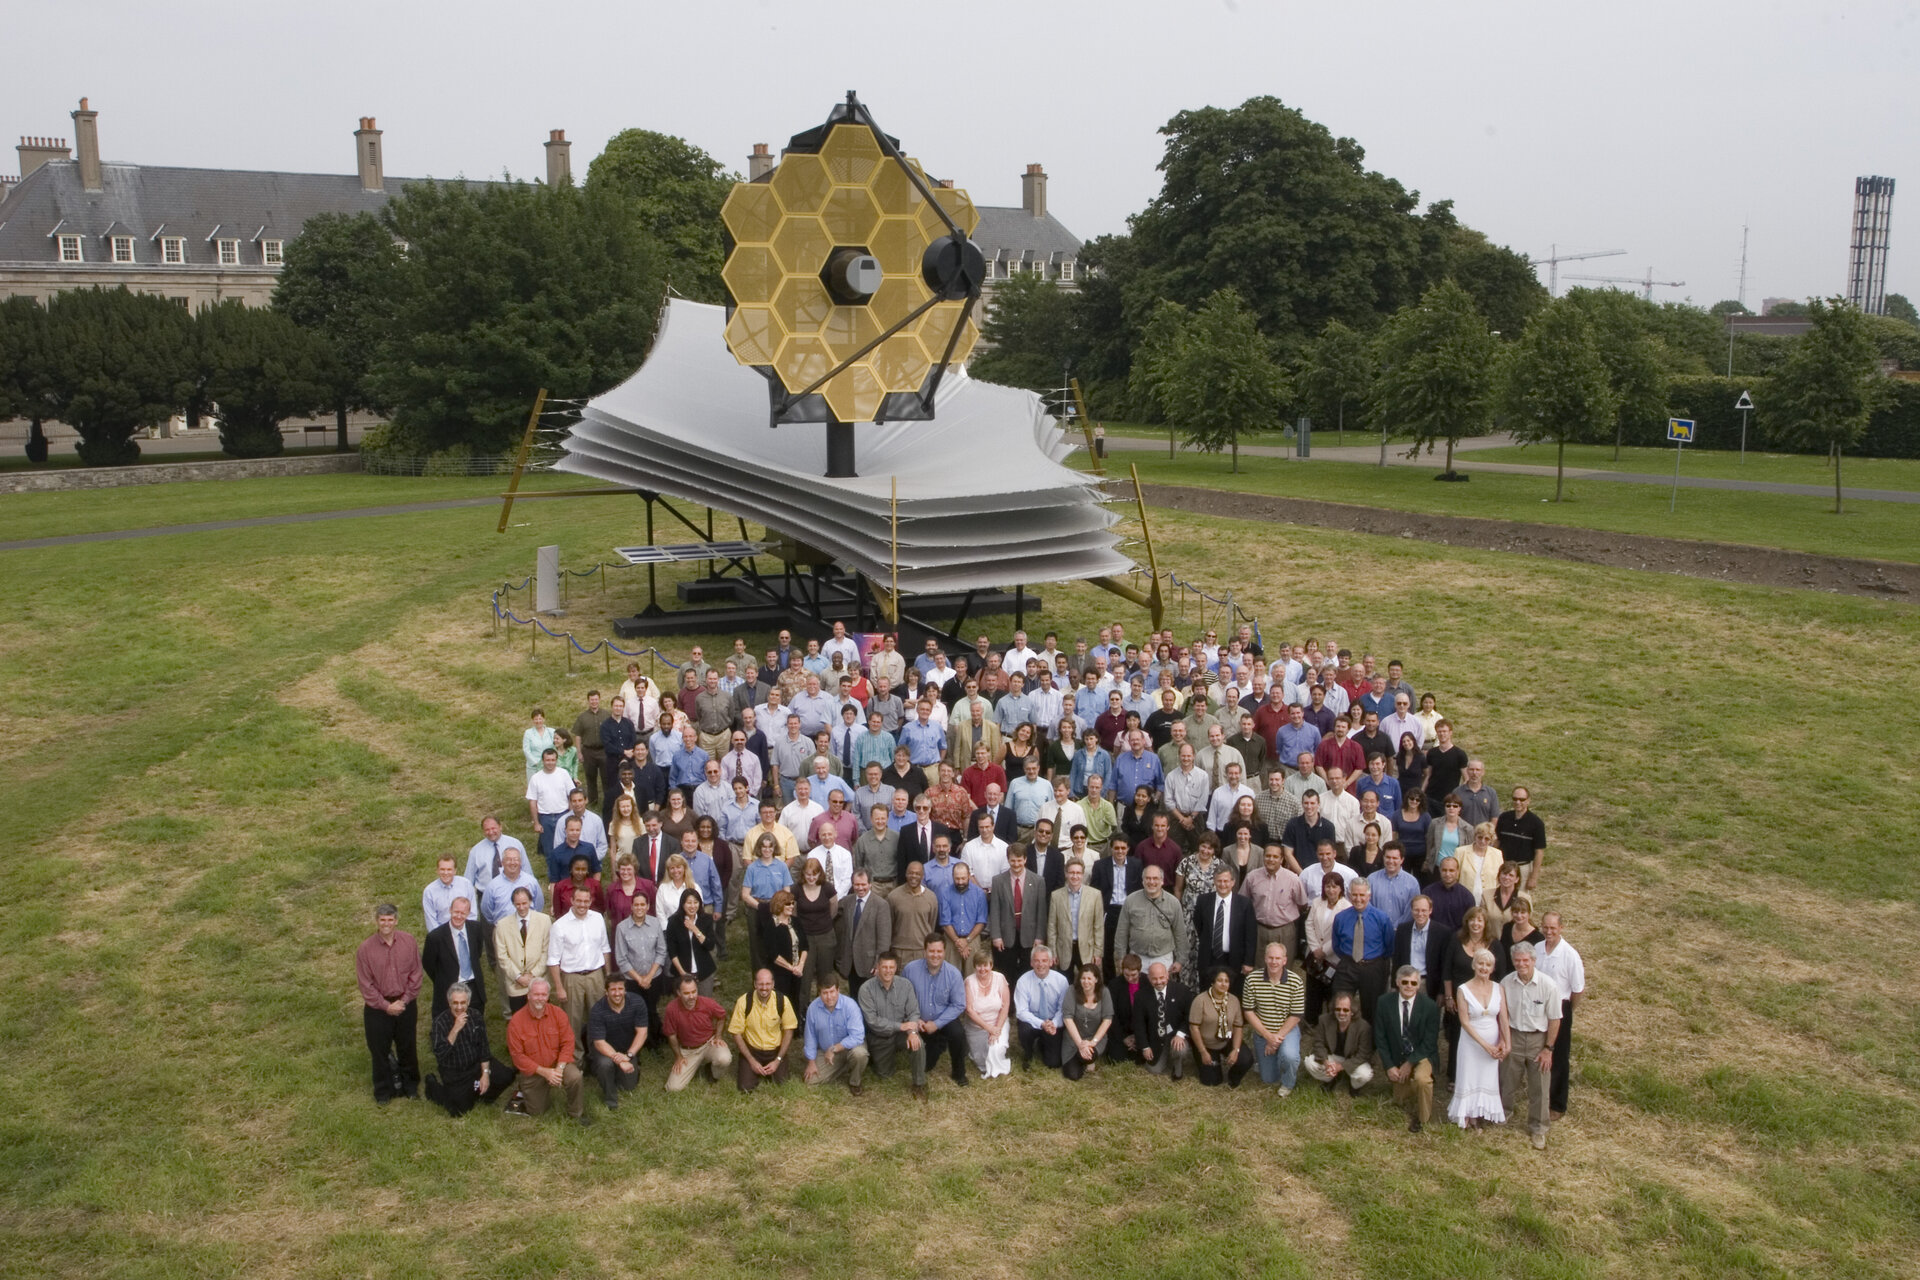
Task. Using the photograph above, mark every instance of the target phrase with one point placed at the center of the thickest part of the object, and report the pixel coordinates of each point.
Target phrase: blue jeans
(549, 837)
(1282, 1067)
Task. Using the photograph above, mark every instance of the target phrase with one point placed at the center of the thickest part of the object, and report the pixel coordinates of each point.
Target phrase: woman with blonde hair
(784, 945)
(815, 906)
(1480, 861)
(667, 894)
(1484, 1041)
(1498, 900)
(988, 1005)
(627, 825)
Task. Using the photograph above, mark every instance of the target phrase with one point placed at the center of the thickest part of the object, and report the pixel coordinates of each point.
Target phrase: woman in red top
(578, 882)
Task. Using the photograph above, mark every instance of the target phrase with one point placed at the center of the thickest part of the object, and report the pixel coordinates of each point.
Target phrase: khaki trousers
(583, 989)
(1522, 1066)
(538, 1093)
(713, 1055)
(1286, 934)
(1415, 1093)
(851, 1063)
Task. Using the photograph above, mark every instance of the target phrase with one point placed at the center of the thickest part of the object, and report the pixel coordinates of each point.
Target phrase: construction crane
(1647, 284)
(1554, 258)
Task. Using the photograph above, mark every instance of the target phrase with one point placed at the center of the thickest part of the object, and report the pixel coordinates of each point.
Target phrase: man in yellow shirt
(762, 1028)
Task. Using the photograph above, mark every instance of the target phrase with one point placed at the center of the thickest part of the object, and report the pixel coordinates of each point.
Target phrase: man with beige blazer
(520, 948)
(1076, 923)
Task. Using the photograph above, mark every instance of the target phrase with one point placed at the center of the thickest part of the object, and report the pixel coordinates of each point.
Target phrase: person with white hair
(1485, 1040)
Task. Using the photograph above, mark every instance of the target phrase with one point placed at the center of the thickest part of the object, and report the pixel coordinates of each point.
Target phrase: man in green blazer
(1406, 1030)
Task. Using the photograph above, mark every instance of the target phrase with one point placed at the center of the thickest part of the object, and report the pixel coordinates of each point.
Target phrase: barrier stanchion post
(569, 653)
(607, 649)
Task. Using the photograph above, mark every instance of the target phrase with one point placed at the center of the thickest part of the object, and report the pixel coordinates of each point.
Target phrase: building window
(178, 302)
(70, 249)
(123, 248)
(173, 249)
(270, 252)
(1066, 269)
(229, 253)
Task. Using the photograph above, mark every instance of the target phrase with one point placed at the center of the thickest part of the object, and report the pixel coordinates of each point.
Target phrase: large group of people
(1201, 859)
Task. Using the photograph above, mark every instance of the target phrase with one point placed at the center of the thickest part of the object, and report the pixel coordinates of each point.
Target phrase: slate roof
(141, 200)
(1016, 235)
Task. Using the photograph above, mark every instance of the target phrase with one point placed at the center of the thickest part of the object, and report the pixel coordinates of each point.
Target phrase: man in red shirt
(1342, 753)
(1270, 715)
(1160, 849)
(387, 966)
(691, 1023)
(981, 772)
(540, 1042)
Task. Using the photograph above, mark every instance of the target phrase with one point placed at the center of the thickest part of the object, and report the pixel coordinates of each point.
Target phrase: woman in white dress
(1484, 1041)
(987, 1007)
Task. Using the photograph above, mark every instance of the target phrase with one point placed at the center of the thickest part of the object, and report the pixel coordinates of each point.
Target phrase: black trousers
(457, 1094)
(1109, 962)
(593, 763)
(952, 1039)
(1367, 979)
(393, 1035)
(1033, 1038)
(1013, 962)
(1232, 1070)
(1562, 1059)
(612, 1079)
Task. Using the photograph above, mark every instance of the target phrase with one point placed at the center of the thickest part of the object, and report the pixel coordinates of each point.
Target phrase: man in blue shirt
(1015, 708)
(963, 914)
(1136, 767)
(1089, 760)
(1296, 736)
(1039, 1009)
(816, 710)
(1027, 794)
(496, 902)
(1376, 780)
(925, 741)
(1394, 889)
(689, 764)
(836, 1037)
(485, 858)
(942, 996)
(875, 746)
(1362, 948)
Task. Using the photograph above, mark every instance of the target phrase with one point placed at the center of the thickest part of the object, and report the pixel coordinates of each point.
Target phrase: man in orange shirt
(540, 1041)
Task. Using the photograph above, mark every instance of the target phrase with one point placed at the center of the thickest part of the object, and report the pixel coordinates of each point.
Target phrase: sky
(1657, 128)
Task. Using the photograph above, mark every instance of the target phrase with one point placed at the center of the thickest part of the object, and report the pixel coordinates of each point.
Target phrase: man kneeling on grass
(540, 1041)
(762, 1028)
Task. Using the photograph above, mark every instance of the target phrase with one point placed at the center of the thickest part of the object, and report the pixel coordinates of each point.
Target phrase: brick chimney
(559, 158)
(760, 163)
(366, 149)
(1033, 191)
(86, 140)
(34, 152)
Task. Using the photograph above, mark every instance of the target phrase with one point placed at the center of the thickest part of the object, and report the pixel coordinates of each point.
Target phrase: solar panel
(672, 553)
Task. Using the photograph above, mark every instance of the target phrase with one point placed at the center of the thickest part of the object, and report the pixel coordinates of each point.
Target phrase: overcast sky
(1658, 128)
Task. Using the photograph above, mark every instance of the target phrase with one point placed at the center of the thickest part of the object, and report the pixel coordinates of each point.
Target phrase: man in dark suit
(617, 736)
(1160, 1023)
(456, 952)
(649, 780)
(865, 932)
(916, 841)
(1420, 944)
(1004, 827)
(1223, 925)
(652, 850)
(1124, 989)
(1407, 1035)
(1113, 878)
(1016, 915)
(1046, 861)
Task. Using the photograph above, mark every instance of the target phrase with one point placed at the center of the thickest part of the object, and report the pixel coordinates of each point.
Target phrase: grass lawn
(1778, 468)
(1876, 530)
(245, 738)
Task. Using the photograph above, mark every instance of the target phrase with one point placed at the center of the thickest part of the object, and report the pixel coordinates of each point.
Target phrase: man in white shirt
(985, 854)
(577, 952)
(844, 645)
(888, 664)
(1532, 1003)
(798, 817)
(1557, 959)
(1225, 796)
(710, 798)
(1045, 704)
(436, 900)
(1015, 660)
(1403, 721)
(1065, 813)
(484, 859)
(837, 858)
(546, 801)
(1339, 807)
(1187, 792)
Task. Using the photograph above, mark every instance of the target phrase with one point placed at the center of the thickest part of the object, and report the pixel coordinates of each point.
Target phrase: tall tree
(23, 369)
(1030, 335)
(1504, 286)
(1154, 356)
(1635, 359)
(259, 368)
(339, 283)
(1260, 199)
(675, 191)
(1554, 386)
(503, 290)
(1336, 370)
(1901, 308)
(116, 362)
(1222, 381)
(1435, 361)
(1830, 385)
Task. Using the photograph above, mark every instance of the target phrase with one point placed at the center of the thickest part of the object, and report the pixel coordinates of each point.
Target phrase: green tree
(1504, 286)
(1222, 380)
(116, 362)
(259, 368)
(1895, 340)
(505, 289)
(1554, 387)
(1336, 370)
(1435, 371)
(1030, 334)
(339, 284)
(1635, 359)
(1900, 308)
(1728, 307)
(1154, 357)
(1260, 199)
(1829, 386)
(675, 191)
(23, 369)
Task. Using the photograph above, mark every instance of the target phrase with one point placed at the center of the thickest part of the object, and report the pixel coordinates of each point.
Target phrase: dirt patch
(1721, 561)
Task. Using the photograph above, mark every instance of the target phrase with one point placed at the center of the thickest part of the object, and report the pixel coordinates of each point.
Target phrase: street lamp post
(1745, 405)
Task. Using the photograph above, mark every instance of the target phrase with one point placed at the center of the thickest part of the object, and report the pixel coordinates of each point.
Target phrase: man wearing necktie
(1409, 1043)
(451, 954)
(1016, 915)
(654, 850)
(1363, 944)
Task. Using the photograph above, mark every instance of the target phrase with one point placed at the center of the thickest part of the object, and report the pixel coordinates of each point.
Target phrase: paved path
(1396, 457)
(208, 526)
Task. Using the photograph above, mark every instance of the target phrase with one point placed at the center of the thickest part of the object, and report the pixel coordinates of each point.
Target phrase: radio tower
(1867, 259)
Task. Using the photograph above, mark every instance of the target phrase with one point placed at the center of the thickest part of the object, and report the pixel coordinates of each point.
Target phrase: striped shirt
(1274, 1002)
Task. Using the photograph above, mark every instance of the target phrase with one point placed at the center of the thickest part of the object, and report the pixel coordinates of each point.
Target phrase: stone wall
(172, 472)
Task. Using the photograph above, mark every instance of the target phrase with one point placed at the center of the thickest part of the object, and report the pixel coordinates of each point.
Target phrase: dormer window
(123, 248)
(270, 252)
(1066, 269)
(229, 253)
(70, 250)
(173, 250)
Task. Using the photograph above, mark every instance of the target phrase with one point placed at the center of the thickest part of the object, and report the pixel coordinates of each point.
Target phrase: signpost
(1745, 405)
(1680, 431)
